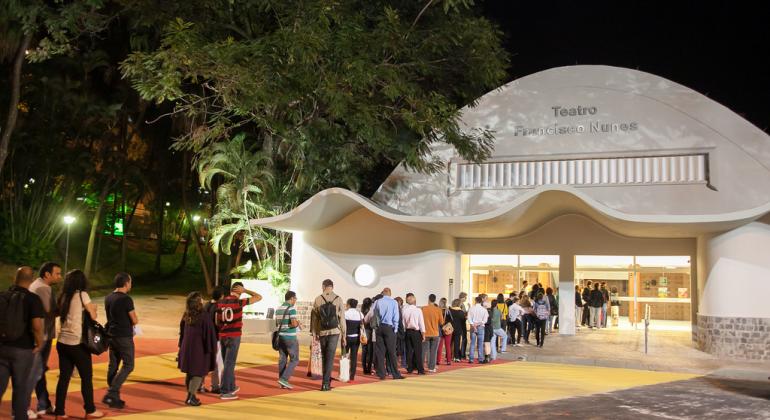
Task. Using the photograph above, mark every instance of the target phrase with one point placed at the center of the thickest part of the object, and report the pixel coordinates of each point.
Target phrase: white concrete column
(567, 294)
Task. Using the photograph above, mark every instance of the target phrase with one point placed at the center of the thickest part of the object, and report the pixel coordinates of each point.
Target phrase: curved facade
(591, 164)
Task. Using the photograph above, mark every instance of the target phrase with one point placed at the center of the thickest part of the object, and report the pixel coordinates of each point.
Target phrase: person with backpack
(554, 304)
(197, 346)
(528, 317)
(288, 348)
(542, 310)
(73, 302)
(328, 326)
(230, 321)
(21, 339)
(121, 319)
(49, 274)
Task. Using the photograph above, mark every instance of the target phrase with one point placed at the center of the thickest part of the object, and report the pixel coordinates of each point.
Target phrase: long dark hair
(193, 308)
(366, 305)
(74, 281)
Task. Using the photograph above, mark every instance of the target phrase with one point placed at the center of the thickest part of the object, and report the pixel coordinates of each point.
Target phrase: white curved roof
(688, 166)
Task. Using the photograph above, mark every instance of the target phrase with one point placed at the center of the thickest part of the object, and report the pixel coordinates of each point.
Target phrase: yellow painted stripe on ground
(163, 367)
(479, 388)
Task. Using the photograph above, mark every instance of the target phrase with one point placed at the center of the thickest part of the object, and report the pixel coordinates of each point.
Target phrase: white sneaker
(32, 414)
(433, 370)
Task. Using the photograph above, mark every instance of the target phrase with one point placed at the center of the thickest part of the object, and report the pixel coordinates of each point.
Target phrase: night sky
(718, 49)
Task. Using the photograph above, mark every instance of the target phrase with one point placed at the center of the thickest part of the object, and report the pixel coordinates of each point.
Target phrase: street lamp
(196, 218)
(68, 220)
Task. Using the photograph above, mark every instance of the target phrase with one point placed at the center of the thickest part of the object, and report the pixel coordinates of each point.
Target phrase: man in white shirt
(515, 312)
(414, 323)
(477, 317)
(49, 274)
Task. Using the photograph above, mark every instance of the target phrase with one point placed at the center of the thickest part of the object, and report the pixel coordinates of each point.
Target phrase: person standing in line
(288, 347)
(477, 318)
(499, 334)
(197, 346)
(578, 307)
(458, 324)
(230, 321)
(387, 321)
(527, 321)
(445, 342)
(73, 301)
(586, 295)
(506, 319)
(414, 323)
(49, 274)
(554, 305)
(367, 352)
(24, 329)
(328, 326)
(615, 306)
(121, 319)
(434, 319)
(400, 335)
(605, 303)
(354, 323)
(595, 305)
(464, 330)
(503, 308)
(515, 312)
(211, 309)
(542, 312)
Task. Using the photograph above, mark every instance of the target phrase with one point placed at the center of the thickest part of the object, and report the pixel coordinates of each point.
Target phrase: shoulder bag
(94, 336)
(277, 333)
(362, 338)
(448, 328)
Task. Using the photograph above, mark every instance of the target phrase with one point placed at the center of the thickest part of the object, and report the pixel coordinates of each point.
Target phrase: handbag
(94, 336)
(448, 328)
(344, 368)
(316, 360)
(362, 331)
(277, 333)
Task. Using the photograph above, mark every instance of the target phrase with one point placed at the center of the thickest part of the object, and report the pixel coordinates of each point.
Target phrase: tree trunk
(194, 234)
(159, 232)
(95, 228)
(13, 103)
(126, 225)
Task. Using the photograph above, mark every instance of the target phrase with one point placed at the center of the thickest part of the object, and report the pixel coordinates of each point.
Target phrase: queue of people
(29, 309)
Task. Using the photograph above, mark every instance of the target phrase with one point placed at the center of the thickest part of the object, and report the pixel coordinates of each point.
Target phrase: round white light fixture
(68, 220)
(365, 275)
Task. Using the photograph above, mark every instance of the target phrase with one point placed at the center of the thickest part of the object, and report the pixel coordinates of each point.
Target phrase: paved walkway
(667, 351)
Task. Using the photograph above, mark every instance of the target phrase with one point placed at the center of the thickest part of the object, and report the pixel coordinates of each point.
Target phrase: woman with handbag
(75, 307)
(446, 332)
(367, 351)
(197, 346)
(356, 336)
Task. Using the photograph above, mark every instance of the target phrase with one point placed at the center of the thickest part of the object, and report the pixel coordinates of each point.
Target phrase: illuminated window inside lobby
(493, 274)
(663, 282)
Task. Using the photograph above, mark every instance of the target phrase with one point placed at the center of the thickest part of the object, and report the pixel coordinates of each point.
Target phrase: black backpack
(328, 314)
(12, 315)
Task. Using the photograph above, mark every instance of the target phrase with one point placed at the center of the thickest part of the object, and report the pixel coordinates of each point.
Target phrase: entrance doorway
(494, 274)
(662, 282)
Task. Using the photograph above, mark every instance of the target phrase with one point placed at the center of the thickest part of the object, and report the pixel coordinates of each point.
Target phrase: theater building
(598, 173)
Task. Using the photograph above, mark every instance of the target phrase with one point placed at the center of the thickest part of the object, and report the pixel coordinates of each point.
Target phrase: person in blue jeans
(230, 320)
(477, 318)
(288, 348)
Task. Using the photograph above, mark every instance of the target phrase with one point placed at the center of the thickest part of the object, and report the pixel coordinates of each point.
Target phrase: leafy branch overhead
(330, 90)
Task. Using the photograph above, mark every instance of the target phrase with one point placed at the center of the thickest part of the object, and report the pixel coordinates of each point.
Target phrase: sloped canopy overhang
(522, 215)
